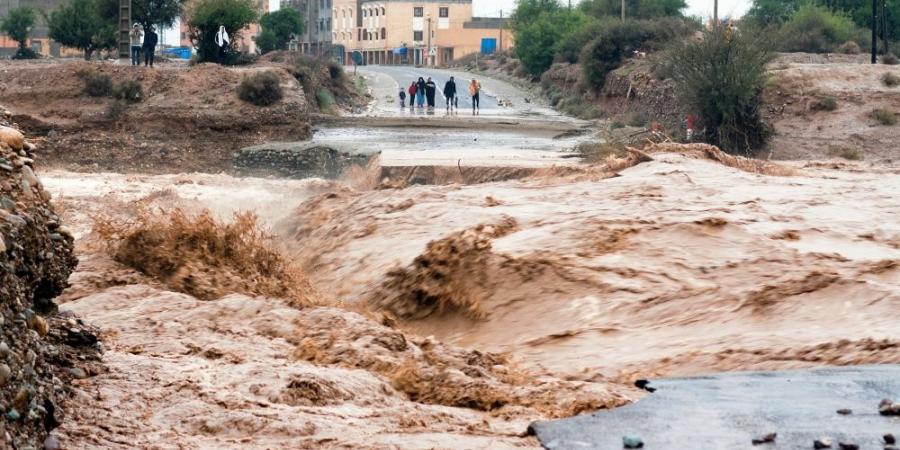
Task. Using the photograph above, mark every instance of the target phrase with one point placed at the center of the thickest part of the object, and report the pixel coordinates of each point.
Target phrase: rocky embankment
(40, 352)
(298, 160)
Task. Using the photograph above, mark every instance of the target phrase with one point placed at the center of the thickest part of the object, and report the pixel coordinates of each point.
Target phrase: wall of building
(375, 28)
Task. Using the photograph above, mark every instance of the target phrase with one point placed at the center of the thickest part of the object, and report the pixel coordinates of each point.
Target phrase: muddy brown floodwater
(675, 266)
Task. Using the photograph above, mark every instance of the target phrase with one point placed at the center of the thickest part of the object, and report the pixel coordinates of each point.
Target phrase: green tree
(776, 12)
(277, 28)
(720, 78)
(208, 15)
(537, 41)
(527, 11)
(88, 25)
(17, 25)
(156, 13)
(634, 9)
(818, 29)
(772, 12)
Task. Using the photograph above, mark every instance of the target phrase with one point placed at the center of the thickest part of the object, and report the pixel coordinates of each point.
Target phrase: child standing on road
(402, 98)
(412, 94)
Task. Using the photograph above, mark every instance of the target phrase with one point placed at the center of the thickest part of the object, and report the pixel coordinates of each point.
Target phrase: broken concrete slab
(299, 160)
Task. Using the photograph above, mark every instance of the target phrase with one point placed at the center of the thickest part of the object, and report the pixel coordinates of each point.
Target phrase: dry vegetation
(203, 257)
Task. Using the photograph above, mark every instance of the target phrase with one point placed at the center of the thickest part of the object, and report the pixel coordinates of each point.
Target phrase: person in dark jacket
(412, 94)
(430, 91)
(402, 98)
(150, 41)
(450, 95)
(420, 92)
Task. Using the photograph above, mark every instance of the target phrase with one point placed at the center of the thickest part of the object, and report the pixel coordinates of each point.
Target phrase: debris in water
(889, 439)
(767, 439)
(645, 385)
(887, 407)
(845, 412)
(846, 446)
(823, 442)
(632, 441)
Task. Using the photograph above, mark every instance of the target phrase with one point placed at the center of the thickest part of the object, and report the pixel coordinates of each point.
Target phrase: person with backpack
(475, 92)
(420, 92)
(150, 41)
(430, 92)
(450, 94)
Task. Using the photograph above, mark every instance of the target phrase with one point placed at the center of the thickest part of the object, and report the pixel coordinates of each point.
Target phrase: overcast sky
(695, 7)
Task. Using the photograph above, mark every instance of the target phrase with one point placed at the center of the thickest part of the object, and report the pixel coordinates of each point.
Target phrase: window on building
(418, 11)
(328, 23)
(383, 33)
(358, 35)
(444, 12)
(418, 36)
(382, 10)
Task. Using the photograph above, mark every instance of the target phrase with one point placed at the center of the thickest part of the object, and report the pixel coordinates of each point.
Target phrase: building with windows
(317, 15)
(38, 40)
(417, 32)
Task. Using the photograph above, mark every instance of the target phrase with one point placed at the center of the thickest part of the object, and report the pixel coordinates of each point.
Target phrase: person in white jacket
(137, 36)
(222, 42)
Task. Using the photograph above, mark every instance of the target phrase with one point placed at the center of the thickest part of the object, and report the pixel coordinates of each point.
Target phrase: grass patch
(598, 152)
(260, 89)
(824, 104)
(890, 80)
(890, 59)
(129, 91)
(853, 154)
(884, 117)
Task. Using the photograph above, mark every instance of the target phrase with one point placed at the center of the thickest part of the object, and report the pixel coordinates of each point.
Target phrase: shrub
(129, 91)
(115, 109)
(890, 59)
(890, 80)
(336, 71)
(849, 48)
(721, 81)
(852, 154)
(325, 100)
(537, 39)
(637, 119)
(817, 29)
(260, 89)
(96, 83)
(824, 104)
(25, 53)
(884, 117)
(616, 40)
(616, 124)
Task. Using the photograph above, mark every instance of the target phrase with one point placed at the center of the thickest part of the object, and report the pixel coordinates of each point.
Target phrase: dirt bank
(188, 119)
(40, 352)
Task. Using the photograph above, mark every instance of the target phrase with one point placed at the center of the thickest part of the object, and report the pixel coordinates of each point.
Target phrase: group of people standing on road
(143, 42)
(423, 92)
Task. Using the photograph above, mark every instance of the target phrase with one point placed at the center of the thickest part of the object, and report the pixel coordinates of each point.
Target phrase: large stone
(11, 137)
(300, 160)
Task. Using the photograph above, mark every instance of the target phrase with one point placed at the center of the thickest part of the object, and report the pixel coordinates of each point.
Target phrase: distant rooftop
(482, 23)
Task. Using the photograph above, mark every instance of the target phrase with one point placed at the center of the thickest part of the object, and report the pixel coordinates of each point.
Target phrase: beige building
(419, 32)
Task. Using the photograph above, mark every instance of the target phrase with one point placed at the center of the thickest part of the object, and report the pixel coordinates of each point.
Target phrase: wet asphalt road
(404, 75)
(727, 411)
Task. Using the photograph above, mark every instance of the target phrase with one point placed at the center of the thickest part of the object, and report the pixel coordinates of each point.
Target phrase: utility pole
(874, 31)
(430, 60)
(501, 28)
(716, 13)
(623, 9)
(884, 28)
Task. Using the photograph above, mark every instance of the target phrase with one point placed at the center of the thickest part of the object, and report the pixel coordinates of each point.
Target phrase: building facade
(317, 15)
(38, 40)
(415, 32)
